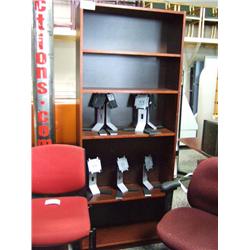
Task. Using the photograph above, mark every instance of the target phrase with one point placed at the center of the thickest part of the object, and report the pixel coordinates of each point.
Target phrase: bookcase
(127, 51)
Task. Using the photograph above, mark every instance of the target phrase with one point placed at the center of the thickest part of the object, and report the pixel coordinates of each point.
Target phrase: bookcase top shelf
(91, 135)
(127, 9)
(127, 91)
(129, 53)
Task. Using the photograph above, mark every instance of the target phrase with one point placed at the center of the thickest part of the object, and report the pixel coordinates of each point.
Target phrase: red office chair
(195, 227)
(59, 170)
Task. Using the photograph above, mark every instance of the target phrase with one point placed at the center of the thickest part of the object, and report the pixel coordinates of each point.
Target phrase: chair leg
(168, 201)
(92, 239)
(76, 245)
(69, 247)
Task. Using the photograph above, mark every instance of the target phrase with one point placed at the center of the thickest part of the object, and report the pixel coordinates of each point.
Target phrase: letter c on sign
(42, 116)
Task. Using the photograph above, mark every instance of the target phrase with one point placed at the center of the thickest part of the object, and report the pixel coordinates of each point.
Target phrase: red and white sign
(43, 71)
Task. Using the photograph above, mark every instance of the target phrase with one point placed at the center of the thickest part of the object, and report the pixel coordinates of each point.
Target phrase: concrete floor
(159, 246)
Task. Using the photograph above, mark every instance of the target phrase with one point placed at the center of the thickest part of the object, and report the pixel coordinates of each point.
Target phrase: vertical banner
(42, 63)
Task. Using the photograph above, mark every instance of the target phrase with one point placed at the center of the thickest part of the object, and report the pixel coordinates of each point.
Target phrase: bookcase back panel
(122, 116)
(112, 71)
(162, 111)
(122, 213)
(167, 111)
(106, 31)
(135, 150)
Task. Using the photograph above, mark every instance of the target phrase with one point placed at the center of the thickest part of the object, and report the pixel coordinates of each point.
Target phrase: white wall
(64, 68)
(194, 52)
(64, 52)
(207, 89)
(62, 12)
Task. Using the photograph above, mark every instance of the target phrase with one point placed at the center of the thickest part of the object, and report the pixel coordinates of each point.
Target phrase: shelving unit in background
(126, 51)
(207, 26)
(201, 21)
(193, 20)
(210, 24)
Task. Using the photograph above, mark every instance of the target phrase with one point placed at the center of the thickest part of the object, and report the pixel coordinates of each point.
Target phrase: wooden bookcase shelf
(90, 135)
(128, 51)
(128, 91)
(136, 194)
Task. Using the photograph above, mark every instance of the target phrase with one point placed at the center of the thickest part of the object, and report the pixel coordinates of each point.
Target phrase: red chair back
(57, 168)
(203, 188)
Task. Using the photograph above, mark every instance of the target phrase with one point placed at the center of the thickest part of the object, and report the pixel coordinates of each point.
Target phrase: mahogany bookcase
(126, 51)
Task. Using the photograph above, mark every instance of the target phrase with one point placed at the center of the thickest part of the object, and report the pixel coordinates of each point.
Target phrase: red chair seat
(59, 224)
(189, 229)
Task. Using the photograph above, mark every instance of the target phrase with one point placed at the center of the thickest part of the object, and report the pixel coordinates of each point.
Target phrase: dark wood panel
(122, 236)
(134, 29)
(167, 111)
(119, 32)
(122, 116)
(127, 212)
(162, 112)
(115, 71)
(135, 150)
(65, 123)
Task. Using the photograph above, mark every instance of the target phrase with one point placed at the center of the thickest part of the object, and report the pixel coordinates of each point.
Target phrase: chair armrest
(170, 185)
